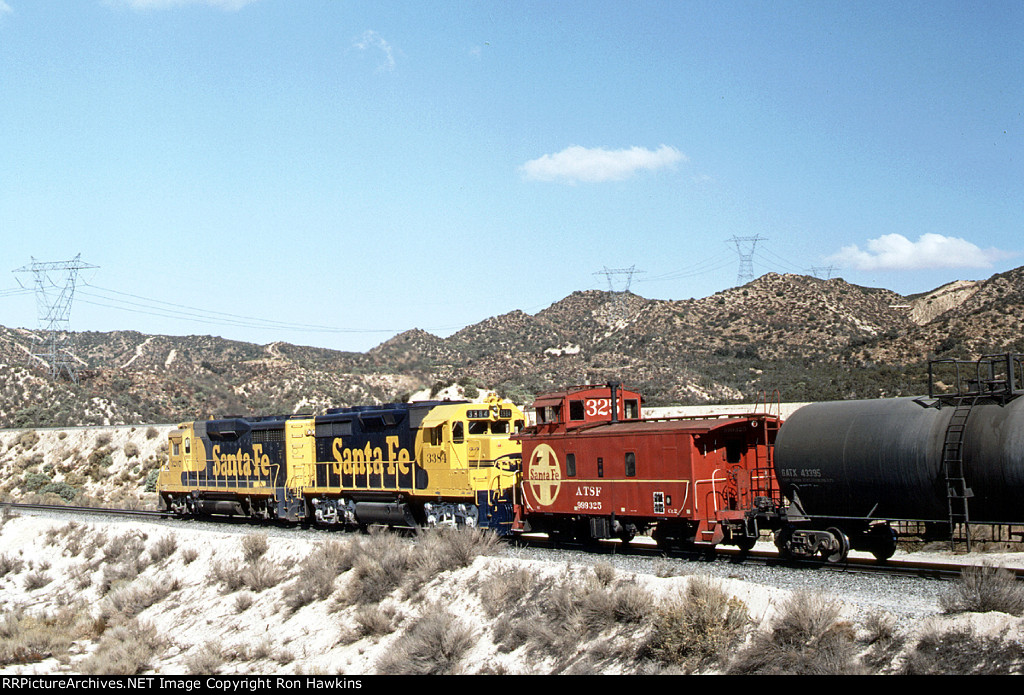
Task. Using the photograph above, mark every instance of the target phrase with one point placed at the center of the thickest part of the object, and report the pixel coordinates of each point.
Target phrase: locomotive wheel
(883, 542)
(837, 554)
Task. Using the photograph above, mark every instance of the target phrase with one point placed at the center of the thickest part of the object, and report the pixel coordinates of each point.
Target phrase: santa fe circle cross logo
(545, 477)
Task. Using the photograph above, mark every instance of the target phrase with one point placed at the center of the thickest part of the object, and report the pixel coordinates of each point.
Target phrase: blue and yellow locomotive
(402, 464)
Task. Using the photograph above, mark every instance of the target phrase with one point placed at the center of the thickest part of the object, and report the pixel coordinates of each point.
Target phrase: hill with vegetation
(808, 339)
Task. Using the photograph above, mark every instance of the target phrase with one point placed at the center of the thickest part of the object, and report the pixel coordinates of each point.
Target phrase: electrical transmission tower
(827, 269)
(619, 309)
(745, 246)
(53, 305)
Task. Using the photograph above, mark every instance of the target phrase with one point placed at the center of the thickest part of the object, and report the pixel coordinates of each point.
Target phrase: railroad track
(852, 565)
(61, 508)
(639, 547)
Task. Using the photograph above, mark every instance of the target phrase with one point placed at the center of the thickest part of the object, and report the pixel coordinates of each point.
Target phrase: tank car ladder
(957, 492)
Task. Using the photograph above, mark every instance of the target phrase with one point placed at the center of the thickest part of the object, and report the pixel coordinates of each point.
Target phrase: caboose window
(575, 410)
(630, 464)
(600, 467)
(632, 411)
(734, 449)
(570, 465)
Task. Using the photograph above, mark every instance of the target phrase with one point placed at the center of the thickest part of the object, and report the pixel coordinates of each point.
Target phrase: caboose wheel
(745, 543)
(841, 547)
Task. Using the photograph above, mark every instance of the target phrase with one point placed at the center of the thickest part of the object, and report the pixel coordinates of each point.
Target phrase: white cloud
(166, 4)
(372, 39)
(896, 252)
(5, 8)
(596, 164)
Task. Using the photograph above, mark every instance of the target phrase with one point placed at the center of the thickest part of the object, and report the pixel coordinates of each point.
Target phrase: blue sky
(331, 173)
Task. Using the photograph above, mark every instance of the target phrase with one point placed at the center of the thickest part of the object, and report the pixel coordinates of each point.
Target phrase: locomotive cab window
(575, 410)
(436, 435)
(458, 433)
(188, 445)
(630, 464)
(478, 427)
(175, 447)
(570, 465)
(499, 427)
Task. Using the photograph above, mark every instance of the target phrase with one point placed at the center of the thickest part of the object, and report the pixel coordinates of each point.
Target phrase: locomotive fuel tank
(887, 459)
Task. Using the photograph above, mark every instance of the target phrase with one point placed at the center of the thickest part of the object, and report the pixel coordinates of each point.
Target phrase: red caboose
(594, 468)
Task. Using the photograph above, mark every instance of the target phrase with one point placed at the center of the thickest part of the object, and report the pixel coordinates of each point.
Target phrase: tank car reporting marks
(545, 476)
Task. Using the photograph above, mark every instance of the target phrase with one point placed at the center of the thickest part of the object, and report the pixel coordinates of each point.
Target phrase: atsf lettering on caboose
(593, 467)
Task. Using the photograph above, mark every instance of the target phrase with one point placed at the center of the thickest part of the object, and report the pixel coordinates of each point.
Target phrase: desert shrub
(131, 450)
(604, 572)
(254, 546)
(30, 637)
(10, 564)
(128, 649)
(163, 548)
(151, 433)
(122, 559)
(35, 481)
(36, 579)
(697, 628)
(883, 640)
(257, 577)
(316, 575)
(243, 602)
(189, 555)
(961, 651)
(126, 602)
(807, 637)
(504, 588)
(433, 645)
(205, 660)
(103, 439)
(97, 464)
(374, 621)
(453, 547)
(983, 589)
(552, 617)
(151, 480)
(28, 439)
(63, 490)
(381, 562)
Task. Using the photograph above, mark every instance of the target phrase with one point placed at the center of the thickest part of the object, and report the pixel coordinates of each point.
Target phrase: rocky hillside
(809, 339)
